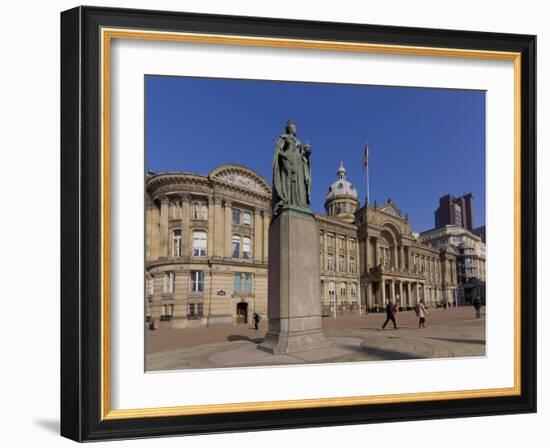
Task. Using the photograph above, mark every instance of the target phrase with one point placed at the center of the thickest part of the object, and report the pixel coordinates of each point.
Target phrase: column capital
(163, 199)
(217, 200)
(185, 197)
(257, 211)
(228, 203)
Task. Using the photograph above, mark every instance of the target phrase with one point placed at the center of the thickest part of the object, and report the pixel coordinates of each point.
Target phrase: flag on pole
(366, 157)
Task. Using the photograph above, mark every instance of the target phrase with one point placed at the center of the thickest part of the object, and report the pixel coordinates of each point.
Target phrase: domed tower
(341, 200)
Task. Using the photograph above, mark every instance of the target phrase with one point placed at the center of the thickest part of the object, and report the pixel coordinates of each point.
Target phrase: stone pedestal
(294, 300)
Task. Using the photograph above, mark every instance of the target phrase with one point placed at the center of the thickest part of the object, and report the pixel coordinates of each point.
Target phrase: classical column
(266, 235)
(325, 252)
(376, 261)
(148, 228)
(211, 232)
(228, 226)
(392, 291)
(424, 295)
(164, 207)
(401, 298)
(185, 225)
(409, 298)
(370, 298)
(258, 238)
(383, 291)
(218, 227)
(155, 233)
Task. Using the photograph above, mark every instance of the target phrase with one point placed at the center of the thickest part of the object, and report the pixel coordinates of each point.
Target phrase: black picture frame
(81, 382)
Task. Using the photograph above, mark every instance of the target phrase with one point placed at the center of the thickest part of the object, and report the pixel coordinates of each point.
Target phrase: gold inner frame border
(107, 35)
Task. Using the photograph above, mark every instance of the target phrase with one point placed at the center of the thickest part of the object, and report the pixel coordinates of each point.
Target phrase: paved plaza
(449, 333)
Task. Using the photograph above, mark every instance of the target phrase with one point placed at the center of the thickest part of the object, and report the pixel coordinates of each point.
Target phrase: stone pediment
(390, 209)
(242, 177)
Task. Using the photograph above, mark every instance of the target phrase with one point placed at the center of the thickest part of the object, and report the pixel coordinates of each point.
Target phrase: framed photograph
(274, 223)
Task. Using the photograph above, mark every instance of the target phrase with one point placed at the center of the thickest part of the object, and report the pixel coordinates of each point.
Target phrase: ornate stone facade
(397, 266)
(207, 249)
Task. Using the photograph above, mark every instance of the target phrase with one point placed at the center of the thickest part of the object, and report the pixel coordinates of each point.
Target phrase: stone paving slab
(357, 341)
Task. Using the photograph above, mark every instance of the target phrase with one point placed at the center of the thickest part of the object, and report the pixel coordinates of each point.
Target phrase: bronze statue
(291, 173)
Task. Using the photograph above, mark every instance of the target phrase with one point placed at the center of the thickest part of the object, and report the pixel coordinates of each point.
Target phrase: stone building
(397, 266)
(470, 259)
(206, 246)
(207, 250)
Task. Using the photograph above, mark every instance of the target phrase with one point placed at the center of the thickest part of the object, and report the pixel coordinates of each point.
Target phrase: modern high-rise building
(455, 211)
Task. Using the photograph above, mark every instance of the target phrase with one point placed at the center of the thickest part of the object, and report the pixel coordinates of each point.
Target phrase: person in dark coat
(256, 317)
(477, 306)
(390, 315)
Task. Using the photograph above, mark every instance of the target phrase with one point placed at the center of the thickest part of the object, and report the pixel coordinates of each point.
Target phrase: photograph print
(294, 223)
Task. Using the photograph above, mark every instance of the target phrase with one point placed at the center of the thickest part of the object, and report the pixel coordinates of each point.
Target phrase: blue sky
(423, 143)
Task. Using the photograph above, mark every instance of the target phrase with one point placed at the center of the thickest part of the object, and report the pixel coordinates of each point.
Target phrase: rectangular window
(242, 282)
(199, 210)
(236, 217)
(191, 309)
(169, 279)
(341, 244)
(341, 264)
(149, 286)
(247, 219)
(197, 281)
(330, 263)
(247, 282)
(330, 240)
(352, 265)
(176, 210)
(237, 282)
(354, 289)
(236, 250)
(176, 243)
(247, 254)
(199, 244)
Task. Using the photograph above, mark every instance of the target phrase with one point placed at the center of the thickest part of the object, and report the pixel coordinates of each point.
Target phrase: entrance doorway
(242, 313)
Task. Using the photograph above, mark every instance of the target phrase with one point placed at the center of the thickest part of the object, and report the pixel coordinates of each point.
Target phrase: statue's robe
(291, 174)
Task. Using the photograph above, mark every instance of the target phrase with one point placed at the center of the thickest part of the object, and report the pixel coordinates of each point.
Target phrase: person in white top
(421, 312)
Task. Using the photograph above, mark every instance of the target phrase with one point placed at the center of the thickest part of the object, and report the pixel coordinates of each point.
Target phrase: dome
(342, 187)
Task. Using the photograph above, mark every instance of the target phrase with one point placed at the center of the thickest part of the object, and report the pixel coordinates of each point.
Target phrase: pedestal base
(294, 300)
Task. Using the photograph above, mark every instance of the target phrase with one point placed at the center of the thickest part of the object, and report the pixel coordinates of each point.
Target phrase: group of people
(421, 311)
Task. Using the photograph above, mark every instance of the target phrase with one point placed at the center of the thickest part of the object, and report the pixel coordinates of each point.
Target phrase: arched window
(354, 289)
(236, 248)
(199, 243)
(343, 289)
(331, 288)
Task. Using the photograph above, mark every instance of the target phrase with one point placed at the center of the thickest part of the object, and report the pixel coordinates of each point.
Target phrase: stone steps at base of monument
(295, 342)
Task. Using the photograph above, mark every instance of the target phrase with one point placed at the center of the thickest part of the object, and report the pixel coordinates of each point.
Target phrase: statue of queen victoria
(291, 173)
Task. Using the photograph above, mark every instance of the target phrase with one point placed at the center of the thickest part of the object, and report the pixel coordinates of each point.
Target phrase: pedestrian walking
(256, 317)
(391, 309)
(477, 306)
(421, 312)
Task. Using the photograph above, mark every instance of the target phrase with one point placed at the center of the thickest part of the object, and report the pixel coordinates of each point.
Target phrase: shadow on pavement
(460, 341)
(240, 337)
